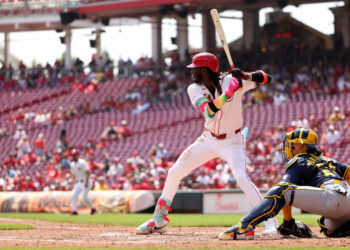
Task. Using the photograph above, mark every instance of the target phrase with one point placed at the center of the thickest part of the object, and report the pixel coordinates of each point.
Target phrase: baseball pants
(331, 201)
(205, 148)
(79, 187)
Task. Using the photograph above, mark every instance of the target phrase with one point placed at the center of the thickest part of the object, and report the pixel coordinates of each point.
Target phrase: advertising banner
(113, 201)
(228, 203)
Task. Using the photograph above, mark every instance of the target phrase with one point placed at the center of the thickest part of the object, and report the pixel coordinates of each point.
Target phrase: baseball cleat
(93, 211)
(74, 213)
(234, 234)
(272, 231)
(150, 227)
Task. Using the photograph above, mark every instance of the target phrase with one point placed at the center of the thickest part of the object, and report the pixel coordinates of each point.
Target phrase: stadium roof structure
(33, 15)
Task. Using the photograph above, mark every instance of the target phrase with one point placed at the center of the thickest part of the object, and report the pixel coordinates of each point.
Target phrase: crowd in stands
(149, 171)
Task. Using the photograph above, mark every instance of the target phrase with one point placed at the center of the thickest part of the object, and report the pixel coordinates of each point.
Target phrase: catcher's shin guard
(269, 207)
(159, 223)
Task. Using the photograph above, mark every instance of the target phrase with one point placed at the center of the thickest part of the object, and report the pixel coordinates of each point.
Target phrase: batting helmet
(205, 59)
(304, 136)
(74, 152)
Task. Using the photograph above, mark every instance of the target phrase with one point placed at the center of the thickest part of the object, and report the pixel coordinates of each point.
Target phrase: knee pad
(269, 207)
(342, 231)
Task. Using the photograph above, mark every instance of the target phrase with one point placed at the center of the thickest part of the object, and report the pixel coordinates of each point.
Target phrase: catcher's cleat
(151, 227)
(74, 213)
(234, 234)
(93, 211)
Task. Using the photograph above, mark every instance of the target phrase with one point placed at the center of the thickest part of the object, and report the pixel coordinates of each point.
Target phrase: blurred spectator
(124, 130)
(100, 185)
(11, 161)
(271, 176)
(336, 116)
(279, 98)
(29, 158)
(94, 165)
(62, 142)
(91, 87)
(203, 179)
(332, 136)
(4, 133)
(23, 147)
(110, 132)
(116, 168)
(302, 122)
(20, 132)
(162, 153)
(216, 184)
(40, 145)
(10, 172)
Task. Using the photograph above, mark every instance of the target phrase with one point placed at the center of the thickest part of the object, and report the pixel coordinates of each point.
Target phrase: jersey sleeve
(292, 171)
(343, 170)
(248, 85)
(195, 93)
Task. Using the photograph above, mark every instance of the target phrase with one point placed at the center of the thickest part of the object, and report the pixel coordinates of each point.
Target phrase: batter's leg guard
(269, 207)
(160, 221)
(342, 231)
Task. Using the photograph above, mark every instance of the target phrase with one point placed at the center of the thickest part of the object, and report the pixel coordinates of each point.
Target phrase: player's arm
(87, 172)
(209, 108)
(74, 178)
(259, 76)
(87, 178)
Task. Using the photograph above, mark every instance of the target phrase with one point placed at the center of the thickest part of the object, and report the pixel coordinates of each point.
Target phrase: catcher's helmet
(74, 152)
(304, 136)
(205, 59)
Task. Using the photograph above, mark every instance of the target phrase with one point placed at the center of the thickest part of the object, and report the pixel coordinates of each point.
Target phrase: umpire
(312, 182)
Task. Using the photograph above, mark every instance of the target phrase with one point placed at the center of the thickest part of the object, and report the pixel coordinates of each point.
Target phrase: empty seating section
(174, 123)
(31, 7)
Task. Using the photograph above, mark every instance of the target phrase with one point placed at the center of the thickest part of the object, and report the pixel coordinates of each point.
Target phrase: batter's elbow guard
(260, 77)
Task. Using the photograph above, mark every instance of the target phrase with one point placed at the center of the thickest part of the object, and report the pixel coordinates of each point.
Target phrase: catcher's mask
(304, 136)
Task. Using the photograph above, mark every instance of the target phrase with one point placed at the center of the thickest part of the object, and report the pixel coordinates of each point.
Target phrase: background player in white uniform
(220, 102)
(81, 173)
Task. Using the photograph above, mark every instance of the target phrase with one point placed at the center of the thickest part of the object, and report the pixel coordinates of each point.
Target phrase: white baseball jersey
(79, 169)
(230, 117)
(207, 147)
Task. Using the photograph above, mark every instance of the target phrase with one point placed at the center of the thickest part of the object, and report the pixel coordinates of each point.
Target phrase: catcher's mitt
(296, 228)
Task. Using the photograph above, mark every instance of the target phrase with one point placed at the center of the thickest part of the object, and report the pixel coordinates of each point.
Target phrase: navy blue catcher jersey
(312, 169)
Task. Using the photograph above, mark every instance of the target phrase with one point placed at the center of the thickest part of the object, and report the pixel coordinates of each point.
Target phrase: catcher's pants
(205, 148)
(330, 201)
(78, 188)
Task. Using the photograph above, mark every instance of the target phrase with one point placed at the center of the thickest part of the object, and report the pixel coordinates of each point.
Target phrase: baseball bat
(220, 31)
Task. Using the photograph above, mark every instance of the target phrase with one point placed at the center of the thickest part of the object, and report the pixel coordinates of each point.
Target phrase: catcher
(312, 182)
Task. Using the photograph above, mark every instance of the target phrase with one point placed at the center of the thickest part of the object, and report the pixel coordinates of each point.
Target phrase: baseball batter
(312, 182)
(219, 101)
(81, 173)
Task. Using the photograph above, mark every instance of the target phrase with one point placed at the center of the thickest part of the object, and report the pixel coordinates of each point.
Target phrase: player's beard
(197, 76)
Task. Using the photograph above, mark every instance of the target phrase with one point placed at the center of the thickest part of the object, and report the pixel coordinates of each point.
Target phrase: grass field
(177, 220)
(15, 226)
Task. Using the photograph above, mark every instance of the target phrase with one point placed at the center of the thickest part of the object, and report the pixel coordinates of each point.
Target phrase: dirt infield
(48, 234)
